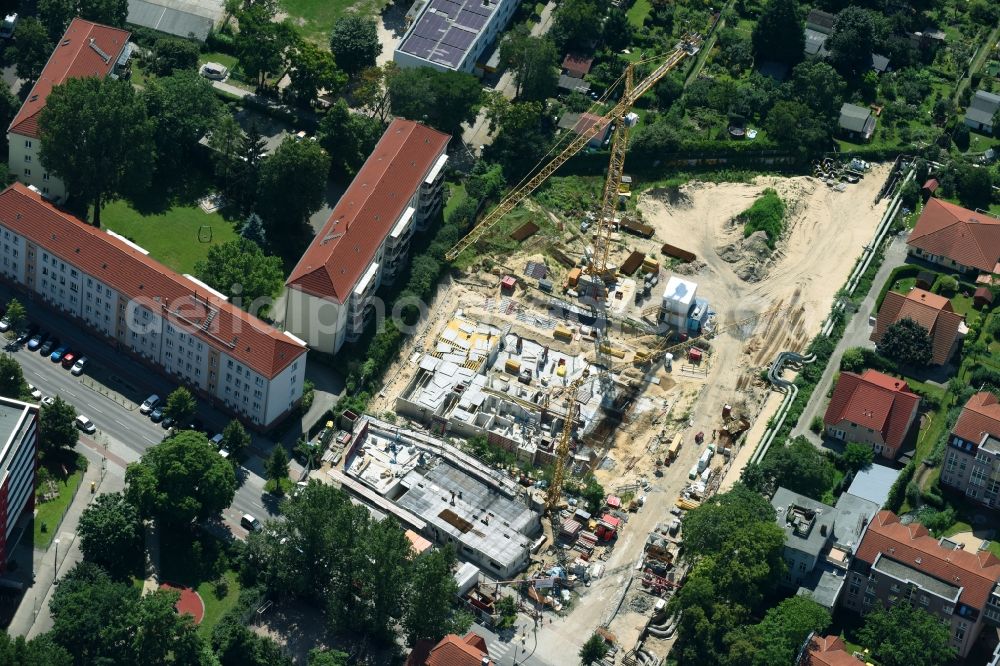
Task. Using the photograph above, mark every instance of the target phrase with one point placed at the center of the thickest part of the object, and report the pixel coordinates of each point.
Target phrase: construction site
(629, 343)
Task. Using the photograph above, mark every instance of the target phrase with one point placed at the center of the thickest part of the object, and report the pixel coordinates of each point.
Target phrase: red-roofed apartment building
(903, 563)
(452, 650)
(874, 409)
(86, 49)
(172, 323)
(934, 313)
(366, 240)
(972, 460)
(827, 651)
(956, 238)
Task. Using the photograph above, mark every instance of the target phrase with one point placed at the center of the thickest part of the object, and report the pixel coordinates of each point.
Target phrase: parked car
(36, 341)
(85, 424)
(8, 26)
(214, 71)
(78, 367)
(58, 353)
(4, 325)
(68, 359)
(48, 346)
(216, 440)
(48, 401)
(157, 415)
(150, 404)
(250, 523)
(22, 337)
(168, 423)
(35, 393)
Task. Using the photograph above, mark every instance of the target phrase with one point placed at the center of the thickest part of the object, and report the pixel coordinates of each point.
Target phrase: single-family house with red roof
(827, 651)
(932, 312)
(576, 66)
(973, 451)
(86, 49)
(957, 238)
(898, 563)
(874, 409)
(452, 650)
(366, 240)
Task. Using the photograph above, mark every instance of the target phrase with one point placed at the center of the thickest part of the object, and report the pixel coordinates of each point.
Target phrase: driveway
(855, 335)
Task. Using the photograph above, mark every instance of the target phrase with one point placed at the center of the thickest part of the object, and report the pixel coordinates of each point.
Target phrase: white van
(85, 424)
(214, 71)
(150, 404)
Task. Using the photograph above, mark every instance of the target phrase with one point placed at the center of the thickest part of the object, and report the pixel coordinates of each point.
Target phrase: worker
(93, 487)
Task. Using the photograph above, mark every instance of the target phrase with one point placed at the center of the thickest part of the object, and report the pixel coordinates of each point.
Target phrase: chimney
(822, 529)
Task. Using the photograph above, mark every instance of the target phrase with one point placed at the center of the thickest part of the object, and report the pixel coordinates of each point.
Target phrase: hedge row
(898, 273)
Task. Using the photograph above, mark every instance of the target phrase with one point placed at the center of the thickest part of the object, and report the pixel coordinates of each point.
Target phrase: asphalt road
(123, 430)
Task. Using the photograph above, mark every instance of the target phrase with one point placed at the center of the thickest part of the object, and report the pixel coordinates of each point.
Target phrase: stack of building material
(570, 529)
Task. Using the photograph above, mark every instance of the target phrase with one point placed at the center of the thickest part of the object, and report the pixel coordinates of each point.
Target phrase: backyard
(314, 18)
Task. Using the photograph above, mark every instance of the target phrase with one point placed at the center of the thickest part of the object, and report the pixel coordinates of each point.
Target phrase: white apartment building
(453, 34)
(86, 49)
(330, 293)
(18, 453)
(173, 323)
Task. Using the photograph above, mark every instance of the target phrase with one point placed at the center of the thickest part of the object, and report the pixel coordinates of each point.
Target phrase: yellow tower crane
(688, 46)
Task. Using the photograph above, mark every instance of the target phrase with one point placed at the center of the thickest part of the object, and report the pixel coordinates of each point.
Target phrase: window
(960, 631)
(27, 158)
(45, 176)
(27, 143)
(979, 475)
(27, 172)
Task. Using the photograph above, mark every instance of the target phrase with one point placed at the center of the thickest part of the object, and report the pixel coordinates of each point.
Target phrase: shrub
(767, 214)
(817, 424)
(945, 284)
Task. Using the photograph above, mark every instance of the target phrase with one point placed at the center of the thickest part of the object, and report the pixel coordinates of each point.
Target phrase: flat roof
(853, 515)
(12, 413)
(680, 290)
(904, 572)
(873, 484)
(816, 537)
(446, 30)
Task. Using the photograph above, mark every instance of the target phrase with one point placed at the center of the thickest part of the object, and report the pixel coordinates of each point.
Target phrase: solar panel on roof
(459, 38)
(476, 7)
(536, 270)
(448, 7)
(471, 20)
(446, 55)
(418, 46)
(431, 26)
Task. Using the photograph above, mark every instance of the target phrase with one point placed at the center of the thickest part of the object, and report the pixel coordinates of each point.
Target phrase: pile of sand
(751, 256)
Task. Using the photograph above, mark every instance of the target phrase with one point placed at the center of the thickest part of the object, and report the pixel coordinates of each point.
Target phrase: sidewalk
(32, 616)
(855, 335)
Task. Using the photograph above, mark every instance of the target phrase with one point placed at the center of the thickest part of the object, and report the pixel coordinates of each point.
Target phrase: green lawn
(638, 12)
(215, 607)
(174, 237)
(219, 57)
(456, 195)
(50, 513)
(314, 18)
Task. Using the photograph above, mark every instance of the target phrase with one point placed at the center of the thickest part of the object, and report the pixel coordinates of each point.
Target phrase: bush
(767, 214)
(898, 273)
(853, 359)
(899, 488)
(817, 424)
(945, 284)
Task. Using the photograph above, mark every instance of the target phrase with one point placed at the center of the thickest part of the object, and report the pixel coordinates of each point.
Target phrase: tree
(593, 650)
(162, 635)
(429, 612)
(235, 439)
(618, 31)
(533, 62)
(277, 467)
(240, 269)
(778, 34)
(186, 108)
(311, 70)
(904, 635)
(857, 457)
(292, 185)
(171, 54)
(12, 384)
(443, 100)
(319, 657)
(55, 15)
(506, 612)
(519, 136)
(39, 651)
(262, 44)
(90, 614)
(577, 24)
(485, 182)
(800, 467)
(347, 137)
(777, 638)
(795, 126)
(181, 406)
(108, 12)
(709, 526)
(97, 138)
(975, 186)
(907, 342)
(372, 91)
(56, 427)
(818, 85)
(853, 360)
(15, 315)
(225, 140)
(32, 48)
(853, 40)
(180, 480)
(110, 533)
(354, 43)
(237, 645)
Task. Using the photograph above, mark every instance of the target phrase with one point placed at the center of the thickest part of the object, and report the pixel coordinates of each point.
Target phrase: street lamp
(56, 561)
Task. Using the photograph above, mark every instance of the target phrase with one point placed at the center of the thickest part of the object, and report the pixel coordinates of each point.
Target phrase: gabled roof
(979, 417)
(133, 274)
(873, 400)
(829, 651)
(375, 200)
(455, 651)
(912, 545)
(575, 64)
(86, 49)
(588, 120)
(970, 238)
(931, 185)
(820, 21)
(854, 118)
(983, 107)
(934, 313)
